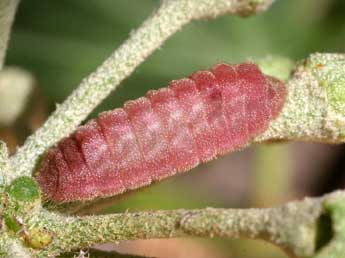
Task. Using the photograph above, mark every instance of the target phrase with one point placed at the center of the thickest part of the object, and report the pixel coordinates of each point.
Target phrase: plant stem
(166, 21)
(313, 227)
(292, 226)
(7, 12)
(314, 108)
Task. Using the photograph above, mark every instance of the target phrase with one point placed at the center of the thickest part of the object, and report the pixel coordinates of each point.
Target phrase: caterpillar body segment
(169, 131)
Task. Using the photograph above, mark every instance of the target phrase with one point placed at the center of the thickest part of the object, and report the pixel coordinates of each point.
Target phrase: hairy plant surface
(166, 132)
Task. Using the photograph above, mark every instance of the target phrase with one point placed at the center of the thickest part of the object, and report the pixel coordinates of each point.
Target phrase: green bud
(24, 189)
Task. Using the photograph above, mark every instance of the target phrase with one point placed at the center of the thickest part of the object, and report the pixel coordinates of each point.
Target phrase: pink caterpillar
(169, 131)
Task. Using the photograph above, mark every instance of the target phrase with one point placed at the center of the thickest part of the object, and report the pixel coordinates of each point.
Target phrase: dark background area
(62, 41)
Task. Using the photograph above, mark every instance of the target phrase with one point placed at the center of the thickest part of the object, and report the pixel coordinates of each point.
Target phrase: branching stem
(314, 111)
(293, 227)
(166, 21)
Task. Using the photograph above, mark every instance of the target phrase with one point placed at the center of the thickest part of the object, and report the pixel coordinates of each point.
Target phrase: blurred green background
(61, 41)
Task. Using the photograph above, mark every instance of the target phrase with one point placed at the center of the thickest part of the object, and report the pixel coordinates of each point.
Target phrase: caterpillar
(169, 131)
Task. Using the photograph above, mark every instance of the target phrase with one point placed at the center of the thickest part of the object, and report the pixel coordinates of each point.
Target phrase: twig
(168, 19)
(296, 227)
(7, 11)
(314, 109)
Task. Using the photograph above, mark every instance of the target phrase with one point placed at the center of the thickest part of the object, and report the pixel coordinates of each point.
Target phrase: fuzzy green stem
(7, 12)
(335, 207)
(307, 228)
(314, 109)
(293, 227)
(290, 226)
(166, 21)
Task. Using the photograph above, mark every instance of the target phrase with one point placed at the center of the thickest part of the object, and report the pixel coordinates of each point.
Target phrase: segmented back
(169, 131)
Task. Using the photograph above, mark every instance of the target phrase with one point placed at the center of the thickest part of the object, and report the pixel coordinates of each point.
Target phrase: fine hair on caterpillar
(168, 131)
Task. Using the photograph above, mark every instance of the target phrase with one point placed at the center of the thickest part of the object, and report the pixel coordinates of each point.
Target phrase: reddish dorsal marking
(169, 131)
